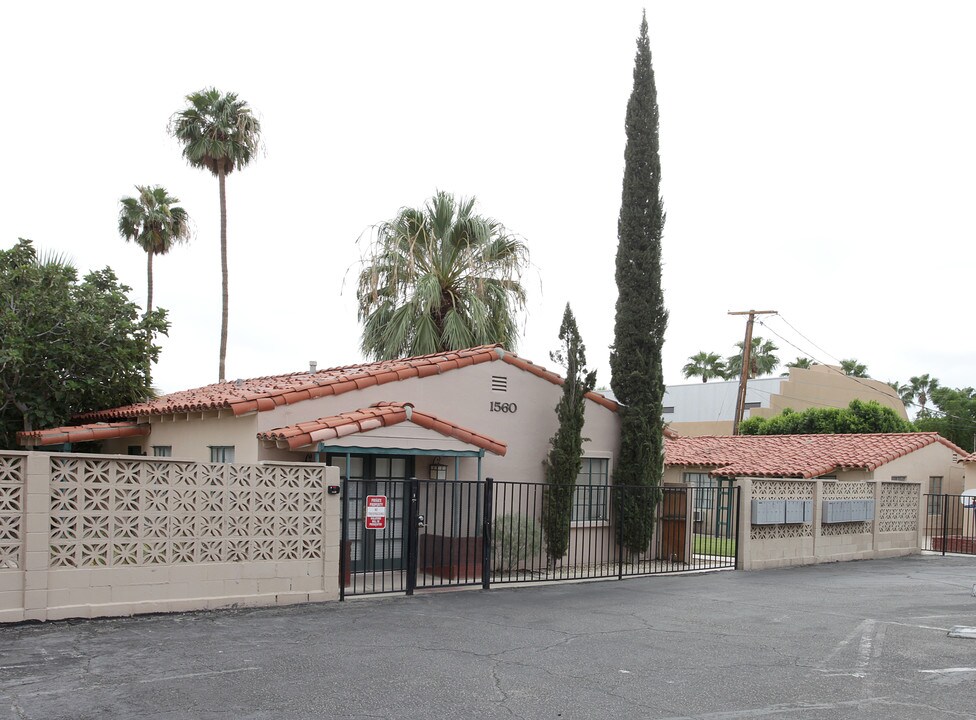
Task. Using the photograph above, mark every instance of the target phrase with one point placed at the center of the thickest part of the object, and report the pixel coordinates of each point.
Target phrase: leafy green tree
(566, 446)
(154, 222)
(219, 133)
(440, 277)
(641, 319)
(956, 420)
(853, 368)
(920, 390)
(762, 359)
(705, 365)
(858, 417)
(68, 347)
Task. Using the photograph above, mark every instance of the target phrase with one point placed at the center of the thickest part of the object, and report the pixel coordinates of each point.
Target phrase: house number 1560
(503, 407)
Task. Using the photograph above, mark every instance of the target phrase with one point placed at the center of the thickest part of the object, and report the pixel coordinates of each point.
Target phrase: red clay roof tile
(803, 456)
(382, 414)
(266, 393)
(82, 433)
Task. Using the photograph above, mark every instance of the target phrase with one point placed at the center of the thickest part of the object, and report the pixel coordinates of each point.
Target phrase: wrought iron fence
(444, 533)
(950, 524)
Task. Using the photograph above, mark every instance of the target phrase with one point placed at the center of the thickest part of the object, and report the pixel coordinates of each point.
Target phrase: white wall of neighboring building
(715, 401)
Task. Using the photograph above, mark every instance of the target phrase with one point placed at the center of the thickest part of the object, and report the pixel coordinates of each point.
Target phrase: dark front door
(674, 513)
(387, 475)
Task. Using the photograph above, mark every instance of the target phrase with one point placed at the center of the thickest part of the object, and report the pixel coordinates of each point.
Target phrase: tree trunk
(149, 284)
(221, 176)
(28, 425)
(149, 337)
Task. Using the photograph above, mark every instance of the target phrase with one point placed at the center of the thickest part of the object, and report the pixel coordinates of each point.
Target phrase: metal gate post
(945, 521)
(413, 534)
(620, 534)
(486, 530)
(344, 535)
(738, 508)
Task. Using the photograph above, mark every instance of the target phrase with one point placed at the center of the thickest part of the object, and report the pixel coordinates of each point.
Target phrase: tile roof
(375, 416)
(968, 458)
(266, 393)
(82, 433)
(803, 456)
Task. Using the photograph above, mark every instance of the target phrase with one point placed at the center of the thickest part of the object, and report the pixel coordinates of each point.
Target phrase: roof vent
(312, 366)
(238, 383)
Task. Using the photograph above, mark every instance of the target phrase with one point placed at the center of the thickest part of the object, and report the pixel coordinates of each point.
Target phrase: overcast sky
(818, 159)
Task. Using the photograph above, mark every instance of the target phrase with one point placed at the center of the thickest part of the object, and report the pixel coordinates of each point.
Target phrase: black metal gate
(950, 524)
(452, 533)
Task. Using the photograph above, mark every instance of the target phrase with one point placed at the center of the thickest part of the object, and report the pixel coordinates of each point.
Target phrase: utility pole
(740, 403)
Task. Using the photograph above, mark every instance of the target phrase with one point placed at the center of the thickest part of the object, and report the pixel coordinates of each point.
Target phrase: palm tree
(762, 361)
(219, 133)
(904, 391)
(803, 363)
(705, 365)
(853, 368)
(440, 278)
(155, 223)
(921, 388)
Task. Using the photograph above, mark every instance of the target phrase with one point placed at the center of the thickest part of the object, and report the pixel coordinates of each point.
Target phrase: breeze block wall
(895, 529)
(96, 535)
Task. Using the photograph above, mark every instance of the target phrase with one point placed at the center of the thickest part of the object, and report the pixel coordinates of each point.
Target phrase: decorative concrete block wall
(895, 529)
(88, 535)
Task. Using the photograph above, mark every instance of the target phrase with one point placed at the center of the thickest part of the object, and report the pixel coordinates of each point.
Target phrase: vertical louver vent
(499, 383)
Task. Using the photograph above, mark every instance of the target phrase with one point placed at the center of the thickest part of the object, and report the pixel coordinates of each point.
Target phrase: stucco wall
(823, 386)
(95, 535)
(191, 436)
(464, 397)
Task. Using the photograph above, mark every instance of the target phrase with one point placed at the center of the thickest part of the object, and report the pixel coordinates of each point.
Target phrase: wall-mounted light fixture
(438, 470)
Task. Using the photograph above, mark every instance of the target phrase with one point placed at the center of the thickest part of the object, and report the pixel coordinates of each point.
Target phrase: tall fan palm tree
(440, 278)
(154, 222)
(904, 390)
(220, 133)
(705, 365)
(920, 389)
(762, 361)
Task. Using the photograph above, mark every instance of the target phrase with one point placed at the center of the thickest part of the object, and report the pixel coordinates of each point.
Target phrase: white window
(592, 501)
(162, 451)
(222, 453)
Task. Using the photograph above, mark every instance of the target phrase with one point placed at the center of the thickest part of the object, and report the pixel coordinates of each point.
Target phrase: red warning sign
(376, 512)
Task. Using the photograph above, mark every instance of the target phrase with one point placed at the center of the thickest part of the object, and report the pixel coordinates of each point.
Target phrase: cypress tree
(566, 452)
(641, 319)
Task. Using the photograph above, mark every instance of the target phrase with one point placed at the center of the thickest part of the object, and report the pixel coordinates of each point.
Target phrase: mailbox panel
(799, 511)
(768, 512)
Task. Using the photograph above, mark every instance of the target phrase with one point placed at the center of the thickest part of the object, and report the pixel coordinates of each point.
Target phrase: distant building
(709, 408)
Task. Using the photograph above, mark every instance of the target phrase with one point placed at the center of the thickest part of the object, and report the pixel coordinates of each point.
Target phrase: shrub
(515, 539)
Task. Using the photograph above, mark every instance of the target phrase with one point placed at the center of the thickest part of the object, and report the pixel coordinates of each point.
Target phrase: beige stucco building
(709, 408)
(489, 411)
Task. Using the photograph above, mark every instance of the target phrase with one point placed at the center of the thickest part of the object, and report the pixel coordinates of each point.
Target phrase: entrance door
(375, 550)
(674, 513)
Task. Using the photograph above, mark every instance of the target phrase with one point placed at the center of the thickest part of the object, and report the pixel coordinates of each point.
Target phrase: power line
(941, 413)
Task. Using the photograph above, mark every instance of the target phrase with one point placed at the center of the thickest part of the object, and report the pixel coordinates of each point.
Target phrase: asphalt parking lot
(848, 640)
